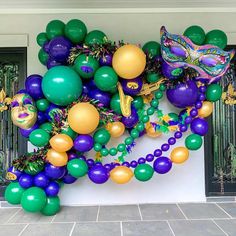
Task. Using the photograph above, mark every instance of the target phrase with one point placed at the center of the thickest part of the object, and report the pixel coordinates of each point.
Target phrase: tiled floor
(190, 219)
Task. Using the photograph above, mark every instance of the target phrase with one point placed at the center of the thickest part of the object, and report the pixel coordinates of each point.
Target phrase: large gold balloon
(121, 174)
(179, 155)
(57, 158)
(206, 109)
(129, 61)
(61, 142)
(116, 129)
(83, 118)
(151, 132)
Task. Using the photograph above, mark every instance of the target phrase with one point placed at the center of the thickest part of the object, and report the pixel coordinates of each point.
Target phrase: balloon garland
(95, 90)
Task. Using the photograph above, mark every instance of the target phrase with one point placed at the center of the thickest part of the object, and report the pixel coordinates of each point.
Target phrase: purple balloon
(171, 72)
(199, 126)
(71, 156)
(49, 109)
(33, 86)
(98, 174)
(52, 62)
(132, 86)
(52, 189)
(83, 143)
(46, 47)
(106, 60)
(59, 48)
(183, 95)
(15, 172)
(162, 165)
(41, 180)
(131, 120)
(69, 179)
(26, 132)
(101, 96)
(41, 117)
(26, 181)
(54, 172)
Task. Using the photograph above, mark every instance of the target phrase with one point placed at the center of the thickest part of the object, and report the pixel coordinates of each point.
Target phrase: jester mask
(23, 111)
(210, 62)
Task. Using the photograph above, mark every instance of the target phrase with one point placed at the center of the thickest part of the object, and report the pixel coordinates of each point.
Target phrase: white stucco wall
(185, 183)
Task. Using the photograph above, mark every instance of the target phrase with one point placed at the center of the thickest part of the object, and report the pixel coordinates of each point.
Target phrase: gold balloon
(206, 109)
(61, 142)
(179, 155)
(151, 132)
(116, 129)
(129, 61)
(57, 158)
(121, 174)
(83, 118)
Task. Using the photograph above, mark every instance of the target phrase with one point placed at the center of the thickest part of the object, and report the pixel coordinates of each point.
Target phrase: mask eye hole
(27, 101)
(14, 104)
(209, 61)
(178, 51)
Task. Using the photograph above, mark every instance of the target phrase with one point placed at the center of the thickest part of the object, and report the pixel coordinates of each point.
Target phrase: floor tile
(6, 213)
(160, 212)
(220, 199)
(229, 226)
(230, 208)
(7, 204)
(149, 228)
(119, 213)
(195, 228)
(202, 211)
(11, 230)
(60, 229)
(26, 217)
(75, 214)
(97, 229)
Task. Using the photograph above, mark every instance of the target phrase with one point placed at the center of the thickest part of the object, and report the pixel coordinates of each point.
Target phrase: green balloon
(143, 172)
(39, 137)
(196, 34)
(42, 39)
(76, 31)
(153, 77)
(69, 132)
(193, 142)
(42, 104)
(33, 199)
(101, 136)
(43, 56)
(55, 28)
(138, 102)
(13, 193)
(77, 168)
(214, 92)
(46, 127)
(105, 78)
(52, 206)
(86, 66)
(115, 103)
(61, 85)
(95, 37)
(152, 48)
(217, 38)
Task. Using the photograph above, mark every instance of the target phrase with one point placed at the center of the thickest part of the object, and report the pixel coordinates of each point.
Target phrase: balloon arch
(95, 90)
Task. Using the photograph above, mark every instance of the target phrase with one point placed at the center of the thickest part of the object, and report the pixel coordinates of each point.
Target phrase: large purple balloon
(59, 48)
(12, 170)
(26, 181)
(41, 180)
(52, 62)
(106, 60)
(131, 120)
(162, 165)
(132, 86)
(98, 174)
(199, 126)
(52, 189)
(33, 86)
(171, 72)
(41, 117)
(83, 143)
(54, 172)
(101, 96)
(26, 132)
(183, 95)
(69, 179)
